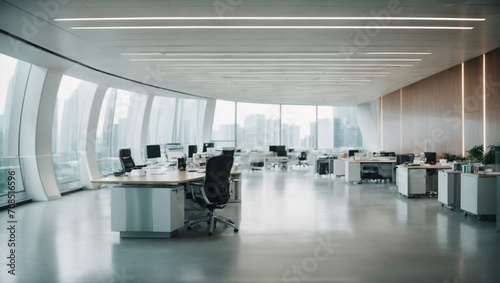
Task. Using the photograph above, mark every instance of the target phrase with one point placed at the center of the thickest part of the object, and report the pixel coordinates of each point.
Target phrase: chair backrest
(126, 159)
(217, 172)
(228, 151)
(303, 155)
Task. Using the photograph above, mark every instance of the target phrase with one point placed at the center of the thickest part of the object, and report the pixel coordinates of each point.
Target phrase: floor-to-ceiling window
(298, 126)
(223, 129)
(161, 120)
(71, 98)
(190, 118)
(116, 127)
(10, 169)
(258, 125)
(325, 127)
(346, 132)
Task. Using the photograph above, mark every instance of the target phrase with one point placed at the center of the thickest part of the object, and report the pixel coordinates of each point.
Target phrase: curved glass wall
(161, 120)
(10, 170)
(71, 99)
(116, 128)
(190, 117)
(223, 130)
(298, 126)
(258, 125)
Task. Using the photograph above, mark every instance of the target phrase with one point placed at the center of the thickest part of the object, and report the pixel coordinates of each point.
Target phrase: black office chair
(213, 193)
(228, 151)
(126, 160)
(302, 157)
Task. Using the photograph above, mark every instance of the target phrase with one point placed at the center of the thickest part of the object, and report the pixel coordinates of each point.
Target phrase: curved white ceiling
(289, 51)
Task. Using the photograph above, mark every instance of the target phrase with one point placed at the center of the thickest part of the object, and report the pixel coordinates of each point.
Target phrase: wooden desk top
(368, 161)
(488, 175)
(169, 177)
(427, 167)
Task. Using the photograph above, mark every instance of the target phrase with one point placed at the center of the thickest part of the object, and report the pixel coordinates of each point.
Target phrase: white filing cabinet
(410, 182)
(478, 194)
(449, 188)
(352, 171)
(339, 167)
(147, 211)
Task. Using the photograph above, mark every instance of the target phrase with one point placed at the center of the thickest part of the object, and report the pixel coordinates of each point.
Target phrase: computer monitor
(352, 152)
(153, 151)
(192, 149)
(277, 148)
(387, 154)
(405, 158)
(430, 157)
(207, 145)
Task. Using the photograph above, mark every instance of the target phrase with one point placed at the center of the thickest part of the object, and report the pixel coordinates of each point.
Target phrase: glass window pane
(224, 120)
(325, 127)
(161, 120)
(298, 126)
(65, 133)
(9, 157)
(345, 128)
(258, 125)
(190, 119)
(116, 127)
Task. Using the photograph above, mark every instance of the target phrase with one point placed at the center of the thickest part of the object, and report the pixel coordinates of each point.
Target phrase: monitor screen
(352, 152)
(405, 158)
(207, 145)
(430, 157)
(277, 148)
(192, 149)
(153, 151)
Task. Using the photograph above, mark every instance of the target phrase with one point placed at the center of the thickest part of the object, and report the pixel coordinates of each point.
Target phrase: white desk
(353, 168)
(479, 194)
(411, 181)
(149, 206)
(449, 188)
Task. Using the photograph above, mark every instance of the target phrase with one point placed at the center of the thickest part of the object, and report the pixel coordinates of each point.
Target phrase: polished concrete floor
(294, 227)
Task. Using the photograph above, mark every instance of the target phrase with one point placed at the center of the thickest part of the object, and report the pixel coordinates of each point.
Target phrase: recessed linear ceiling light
(256, 69)
(279, 59)
(270, 54)
(285, 80)
(274, 27)
(272, 18)
(287, 73)
(277, 65)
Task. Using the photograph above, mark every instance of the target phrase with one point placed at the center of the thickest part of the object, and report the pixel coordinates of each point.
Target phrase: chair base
(211, 219)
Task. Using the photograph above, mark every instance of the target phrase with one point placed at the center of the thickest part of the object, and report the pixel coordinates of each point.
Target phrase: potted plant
(453, 157)
(476, 154)
(489, 157)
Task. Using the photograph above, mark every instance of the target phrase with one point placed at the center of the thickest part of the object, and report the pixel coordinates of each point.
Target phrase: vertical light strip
(401, 121)
(463, 109)
(381, 123)
(484, 102)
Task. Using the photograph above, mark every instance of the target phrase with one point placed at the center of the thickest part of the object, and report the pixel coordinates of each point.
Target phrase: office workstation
(110, 112)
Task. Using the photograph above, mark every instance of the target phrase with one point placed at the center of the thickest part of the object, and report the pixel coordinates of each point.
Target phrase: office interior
(81, 80)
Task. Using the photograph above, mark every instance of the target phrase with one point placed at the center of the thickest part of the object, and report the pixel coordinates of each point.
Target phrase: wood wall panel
(392, 122)
(435, 122)
(473, 129)
(493, 80)
(408, 129)
(493, 126)
(432, 109)
(473, 85)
